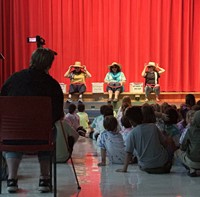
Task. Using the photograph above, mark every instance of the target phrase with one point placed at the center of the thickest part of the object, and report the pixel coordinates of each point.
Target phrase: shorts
(115, 87)
(80, 88)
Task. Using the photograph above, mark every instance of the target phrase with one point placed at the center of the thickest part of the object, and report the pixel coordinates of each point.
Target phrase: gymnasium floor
(104, 181)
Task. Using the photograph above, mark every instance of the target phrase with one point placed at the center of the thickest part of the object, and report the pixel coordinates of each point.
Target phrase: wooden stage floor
(95, 100)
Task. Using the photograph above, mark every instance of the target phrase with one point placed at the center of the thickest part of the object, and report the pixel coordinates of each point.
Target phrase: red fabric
(98, 32)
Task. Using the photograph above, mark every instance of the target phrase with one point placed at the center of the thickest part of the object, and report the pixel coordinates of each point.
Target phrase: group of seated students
(156, 135)
(152, 135)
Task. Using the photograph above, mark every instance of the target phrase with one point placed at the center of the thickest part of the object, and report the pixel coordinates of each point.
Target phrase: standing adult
(115, 80)
(151, 73)
(34, 81)
(77, 74)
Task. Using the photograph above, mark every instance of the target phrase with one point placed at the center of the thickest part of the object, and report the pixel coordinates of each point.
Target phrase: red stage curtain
(98, 32)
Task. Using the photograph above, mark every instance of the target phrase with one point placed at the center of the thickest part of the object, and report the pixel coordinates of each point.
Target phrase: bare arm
(144, 70)
(86, 72)
(122, 82)
(126, 163)
(103, 158)
(160, 70)
(68, 71)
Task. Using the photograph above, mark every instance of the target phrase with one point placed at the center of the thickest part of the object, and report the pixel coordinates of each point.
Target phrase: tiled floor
(104, 181)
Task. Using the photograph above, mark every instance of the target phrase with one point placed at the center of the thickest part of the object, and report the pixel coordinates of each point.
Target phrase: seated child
(111, 142)
(189, 119)
(182, 123)
(97, 125)
(83, 116)
(126, 127)
(189, 149)
(147, 143)
(72, 118)
(171, 130)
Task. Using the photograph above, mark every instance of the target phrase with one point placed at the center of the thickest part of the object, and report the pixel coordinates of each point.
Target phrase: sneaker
(109, 100)
(44, 185)
(192, 173)
(69, 100)
(115, 100)
(157, 99)
(12, 186)
(80, 100)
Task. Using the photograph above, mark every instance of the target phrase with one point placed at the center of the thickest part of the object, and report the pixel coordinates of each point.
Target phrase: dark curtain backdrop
(98, 32)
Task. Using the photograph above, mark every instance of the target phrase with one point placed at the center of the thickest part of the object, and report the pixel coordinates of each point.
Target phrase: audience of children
(111, 142)
(151, 132)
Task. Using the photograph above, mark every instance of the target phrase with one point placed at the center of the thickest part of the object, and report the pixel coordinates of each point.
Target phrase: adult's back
(34, 81)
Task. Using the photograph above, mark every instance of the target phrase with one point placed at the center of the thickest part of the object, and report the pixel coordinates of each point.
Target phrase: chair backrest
(25, 121)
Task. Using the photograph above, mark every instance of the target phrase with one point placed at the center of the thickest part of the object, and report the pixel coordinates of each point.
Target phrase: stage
(137, 98)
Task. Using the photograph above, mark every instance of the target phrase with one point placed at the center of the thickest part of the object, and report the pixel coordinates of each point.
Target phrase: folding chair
(26, 126)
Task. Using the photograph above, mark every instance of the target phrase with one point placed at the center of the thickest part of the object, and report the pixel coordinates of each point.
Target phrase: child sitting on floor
(71, 117)
(126, 127)
(83, 116)
(97, 125)
(171, 130)
(111, 142)
(189, 149)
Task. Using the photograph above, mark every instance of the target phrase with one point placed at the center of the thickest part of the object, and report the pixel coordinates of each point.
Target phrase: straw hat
(153, 64)
(77, 64)
(114, 64)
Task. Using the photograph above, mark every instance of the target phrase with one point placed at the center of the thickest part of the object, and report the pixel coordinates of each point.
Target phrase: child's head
(110, 123)
(156, 107)
(196, 119)
(164, 106)
(198, 102)
(103, 108)
(71, 108)
(195, 107)
(148, 114)
(172, 115)
(108, 111)
(190, 100)
(190, 116)
(183, 111)
(126, 99)
(134, 115)
(124, 106)
(125, 122)
(81, 107)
